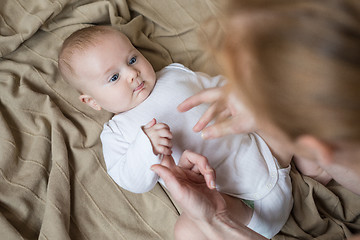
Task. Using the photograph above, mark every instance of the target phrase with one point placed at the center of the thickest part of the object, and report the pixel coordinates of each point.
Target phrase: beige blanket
(53, 183)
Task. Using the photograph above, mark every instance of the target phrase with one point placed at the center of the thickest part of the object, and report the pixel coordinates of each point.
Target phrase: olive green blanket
(53, 182)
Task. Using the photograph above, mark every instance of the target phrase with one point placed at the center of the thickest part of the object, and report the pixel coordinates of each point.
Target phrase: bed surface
(53, 182)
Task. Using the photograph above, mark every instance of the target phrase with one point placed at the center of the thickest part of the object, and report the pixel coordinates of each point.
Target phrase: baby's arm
(160, 137)
(128, 163)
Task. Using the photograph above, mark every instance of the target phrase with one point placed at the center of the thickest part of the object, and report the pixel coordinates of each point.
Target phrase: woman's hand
(229, 113)
(192, 185)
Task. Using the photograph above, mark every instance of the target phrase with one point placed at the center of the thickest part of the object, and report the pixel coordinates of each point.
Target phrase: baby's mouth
(141, 86)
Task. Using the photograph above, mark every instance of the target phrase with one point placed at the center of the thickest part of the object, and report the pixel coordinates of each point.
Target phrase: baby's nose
(133, 74)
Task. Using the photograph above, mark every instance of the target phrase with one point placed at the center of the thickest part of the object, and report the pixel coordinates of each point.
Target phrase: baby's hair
(76, 43)
(297, 63)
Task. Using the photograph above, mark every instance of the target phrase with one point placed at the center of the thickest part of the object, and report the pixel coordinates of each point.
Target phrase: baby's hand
(160, 137)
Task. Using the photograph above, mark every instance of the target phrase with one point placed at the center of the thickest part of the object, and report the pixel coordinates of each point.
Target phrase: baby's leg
(186, 228)
(272, 211)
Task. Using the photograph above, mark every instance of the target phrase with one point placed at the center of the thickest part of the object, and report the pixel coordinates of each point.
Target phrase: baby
(110, 73)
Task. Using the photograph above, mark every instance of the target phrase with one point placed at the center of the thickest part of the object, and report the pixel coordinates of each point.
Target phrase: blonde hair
(297, 63)
(77, 43)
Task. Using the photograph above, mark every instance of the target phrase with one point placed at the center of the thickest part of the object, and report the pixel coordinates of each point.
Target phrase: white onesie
(245, 167)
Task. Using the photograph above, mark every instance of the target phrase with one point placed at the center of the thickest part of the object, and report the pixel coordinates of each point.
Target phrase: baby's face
(115, 74)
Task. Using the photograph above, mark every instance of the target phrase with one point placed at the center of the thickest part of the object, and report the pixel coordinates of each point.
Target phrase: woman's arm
(338, 173)
(225, 228)
(312, 169)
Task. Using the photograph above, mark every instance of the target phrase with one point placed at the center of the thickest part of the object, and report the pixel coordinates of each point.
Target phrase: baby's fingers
(166, 151)
(165, 133)
(161, 126)
(165, 142)
(165, 146)
(161, 149)
(150, 124)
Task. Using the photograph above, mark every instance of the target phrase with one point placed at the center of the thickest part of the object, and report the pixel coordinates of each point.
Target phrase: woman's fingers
(168, 161)
(189, 159)
(214, 112)
(223, 115)
(219, 129)
(198, 164)
(206, 96)
(169, 178)
(206, 118)
(233, 125)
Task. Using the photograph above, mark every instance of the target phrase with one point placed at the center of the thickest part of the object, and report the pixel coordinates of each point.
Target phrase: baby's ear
(90, 101)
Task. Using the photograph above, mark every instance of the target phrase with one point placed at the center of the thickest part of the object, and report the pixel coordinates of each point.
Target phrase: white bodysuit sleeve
(129, 164)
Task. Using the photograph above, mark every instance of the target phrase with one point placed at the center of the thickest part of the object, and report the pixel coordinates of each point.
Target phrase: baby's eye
(132, 60)
(114, 78)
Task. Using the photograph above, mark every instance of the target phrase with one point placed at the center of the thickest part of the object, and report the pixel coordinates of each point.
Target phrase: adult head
(296, 64)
